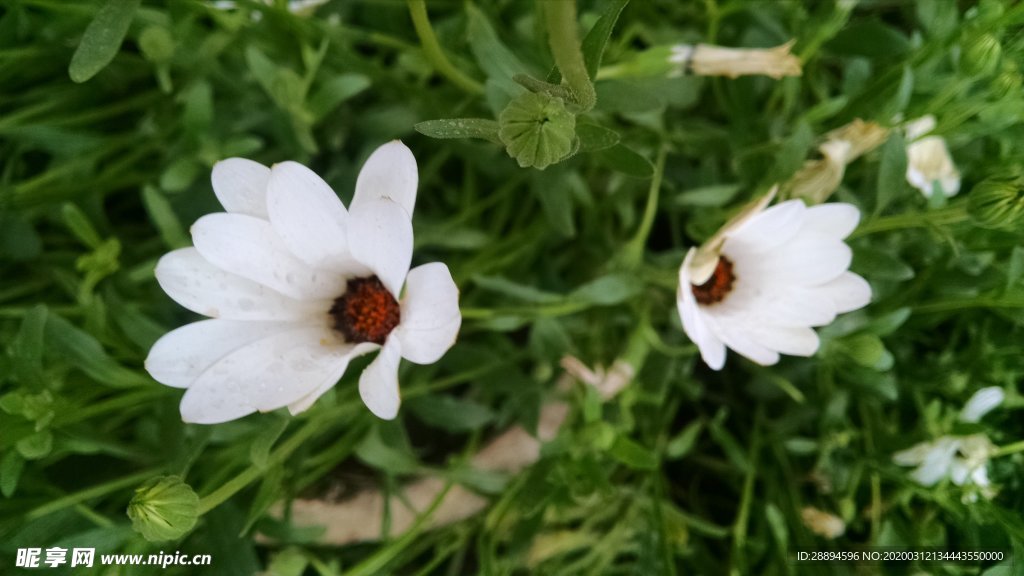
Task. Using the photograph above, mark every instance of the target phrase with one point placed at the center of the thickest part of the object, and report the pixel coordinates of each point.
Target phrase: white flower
(982, 402)
(823, 523)
(762, 282)
(929, 163)
(710, 60)
(962, 459)
(298, 287)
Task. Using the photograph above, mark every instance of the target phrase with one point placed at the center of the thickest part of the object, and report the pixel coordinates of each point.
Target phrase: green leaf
(626, 97)
(595, 41)
(83, 351)
(622, 159)
(632, 454)
(164, 218)
(880, 265)
(777, 524)
(522, 292)
(19, 240)
(683, 442)
(593, 137)
(79, 225)
(157, 44)
(872, 39)
(868, 351)
(270, 491)
(102, 39)
(450, 413)
(707, 196)
(259, 450)
(36, 446)
(495, 59)
(27, 348)
(892, 171)
(448, 128)
(380, 455)
(336, 90)
(608, 290)
(727, 442)
(10, 472)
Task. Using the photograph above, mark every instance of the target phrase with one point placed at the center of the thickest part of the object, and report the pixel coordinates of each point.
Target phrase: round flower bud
(997, 203)
(537, 130)
(164, 508)
(981, 55)
(1008, 81)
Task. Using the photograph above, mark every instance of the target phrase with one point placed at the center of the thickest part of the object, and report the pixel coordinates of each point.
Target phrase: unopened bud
(708, 60)
(537, 130)
(997, 203)
(164, 508)
(981, 55)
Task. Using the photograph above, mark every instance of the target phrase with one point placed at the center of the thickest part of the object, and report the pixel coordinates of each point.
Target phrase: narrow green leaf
(27, 348)
(451, 414)
(447, 128)
(496, 60)
(593, 137)
(632, 454)
(707, 196)
(622, 159)
(164, 218)
(871, 38)
(375, 452)
(10, 472)
(335, 91)
(608, 290)
(681, 445)
(102, 39)
(83, 351)
(259, 450)
(891, 172)
(79, 225)
(522, 292)
(597, 39)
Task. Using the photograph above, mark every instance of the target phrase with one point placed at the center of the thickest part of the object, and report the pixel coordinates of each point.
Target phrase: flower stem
(565, 47)
(946, 216)
(1009, 449)
(94, 492)
(432, 49)
(739, 529)
(632, 253)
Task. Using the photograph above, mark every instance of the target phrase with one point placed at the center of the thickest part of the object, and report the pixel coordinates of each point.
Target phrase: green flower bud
(537, 130)
(981, 55)
(1008, 81)
(997, 203)
(164, 508)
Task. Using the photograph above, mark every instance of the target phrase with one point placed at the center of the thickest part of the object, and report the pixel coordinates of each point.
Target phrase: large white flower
(298, 286)
(766, 278)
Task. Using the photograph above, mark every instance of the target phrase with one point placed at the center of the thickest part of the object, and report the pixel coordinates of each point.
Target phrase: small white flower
(710, 60)
(298, 286)
(962, 459)
(981, 403)
(929, 163)
(763, 281)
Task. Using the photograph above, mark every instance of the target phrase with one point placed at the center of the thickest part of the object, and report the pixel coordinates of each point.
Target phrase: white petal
(937, 462)
(792, 340)
(390, 172)
(809, 259)
(250, 248)
(712, 350)
(849, 292)
(742, 343)
(981, 403)
(181, 355)
(837, 220)
(308, 216)
(979, 477)
(306, 401)
(928, 161)
(378, 385)
(959, 472)
(430, 314)
(914, 455)
(776, 305)
(380, 237)
(265, 375)
(205, 289)
(241, 186)
(769, 229)
(919, 127)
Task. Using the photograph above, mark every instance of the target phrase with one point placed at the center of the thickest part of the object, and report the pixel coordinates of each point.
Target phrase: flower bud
(981, 55)
(537, 130)
(1008, 81)
(709, 60)
(164, 508)
(997, 203)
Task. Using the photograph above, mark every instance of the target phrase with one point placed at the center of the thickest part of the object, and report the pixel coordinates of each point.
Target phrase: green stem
(960, 304)
(945, 216)
(739, 529)
(432, 49)
(1009, 449)
(634, 250)
(252, 473)
(88, 493)
(560, 16)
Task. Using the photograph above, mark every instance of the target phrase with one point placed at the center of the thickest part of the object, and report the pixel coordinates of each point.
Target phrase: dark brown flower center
(366, 312)
(718, 286)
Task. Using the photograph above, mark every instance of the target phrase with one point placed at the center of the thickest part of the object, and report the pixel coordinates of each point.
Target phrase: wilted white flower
(823, 523)
(298, 286)
(766, 278)
(929, 163)
(962, 459)
(300, 7)
(709, 60)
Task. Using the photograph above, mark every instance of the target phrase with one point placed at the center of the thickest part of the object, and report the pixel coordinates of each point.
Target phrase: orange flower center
(366, 312)
(718, 286)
